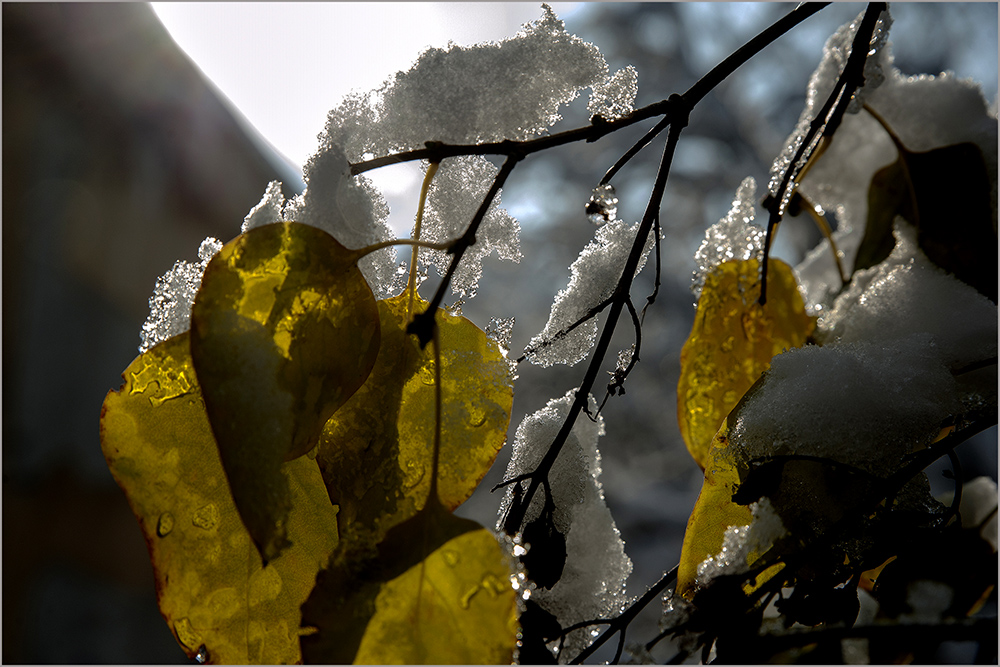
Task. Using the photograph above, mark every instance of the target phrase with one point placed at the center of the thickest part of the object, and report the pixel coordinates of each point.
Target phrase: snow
(170, 305)
(925, 112)
(733, 237)
(594, 276)
(487, 92)
(836, 52)
(740, 542)
(907, 293)
(455, 195)
(593, 580)
(614, 98)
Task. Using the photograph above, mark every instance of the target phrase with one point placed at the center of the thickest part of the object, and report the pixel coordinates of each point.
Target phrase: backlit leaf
(284, 329)
(732, 342)
(438, 591)
(713, 513)
(211, 588)
(945, 194)
(376, 451)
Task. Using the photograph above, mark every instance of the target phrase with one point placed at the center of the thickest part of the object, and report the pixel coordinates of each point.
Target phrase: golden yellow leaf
(284, 329)
(732, 342)
(211, 588)
(376, 451)
(437, 592)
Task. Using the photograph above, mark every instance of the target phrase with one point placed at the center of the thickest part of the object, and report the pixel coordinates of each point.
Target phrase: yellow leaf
(376, 451)
(437, 592)
(284, 329)
(211, 588)
(732, 342)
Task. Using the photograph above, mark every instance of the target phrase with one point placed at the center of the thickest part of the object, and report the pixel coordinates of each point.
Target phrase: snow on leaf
(376, 451)
(594, 276)
(732, 342)
(436, 591)
(268, 210)
(925, 113)
(733, 237)
(170, 305)
(285, 330)
(210, 585)
(907, 294)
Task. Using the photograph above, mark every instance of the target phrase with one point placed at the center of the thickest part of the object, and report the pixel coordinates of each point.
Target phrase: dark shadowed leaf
(376, 451)
(945, 194)
(284, 329)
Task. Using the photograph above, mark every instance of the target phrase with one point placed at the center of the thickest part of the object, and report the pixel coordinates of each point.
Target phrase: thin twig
(422, 325)
(626, 616)
(828, 118)
(635, 149)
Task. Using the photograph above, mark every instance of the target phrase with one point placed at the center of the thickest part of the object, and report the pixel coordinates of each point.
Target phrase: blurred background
(130, 133)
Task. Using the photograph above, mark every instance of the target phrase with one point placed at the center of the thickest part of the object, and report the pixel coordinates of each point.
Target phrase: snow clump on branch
(510, 90)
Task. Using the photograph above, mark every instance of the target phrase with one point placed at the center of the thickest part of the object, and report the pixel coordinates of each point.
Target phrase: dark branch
(850, 80)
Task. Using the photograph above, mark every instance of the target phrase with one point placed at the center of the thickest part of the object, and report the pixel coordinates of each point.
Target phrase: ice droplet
(165, 524)
(603, 205)
(207, 517)
(202, 656)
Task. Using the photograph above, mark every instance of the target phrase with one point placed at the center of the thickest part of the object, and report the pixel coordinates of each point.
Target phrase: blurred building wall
(118, 159)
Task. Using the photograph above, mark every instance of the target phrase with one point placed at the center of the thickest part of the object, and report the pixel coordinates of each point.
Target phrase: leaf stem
(432, 495)
(411, 283)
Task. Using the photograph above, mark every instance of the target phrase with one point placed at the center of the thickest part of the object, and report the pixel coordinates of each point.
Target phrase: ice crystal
(603, 204)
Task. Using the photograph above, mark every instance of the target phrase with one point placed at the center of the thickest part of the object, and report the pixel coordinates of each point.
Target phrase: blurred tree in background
(119, 158)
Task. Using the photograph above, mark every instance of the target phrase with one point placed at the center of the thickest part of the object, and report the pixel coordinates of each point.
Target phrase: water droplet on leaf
(207, 517)
(165, 524)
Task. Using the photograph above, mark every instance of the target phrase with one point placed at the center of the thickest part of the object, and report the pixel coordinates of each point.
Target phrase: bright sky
(284, 65)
